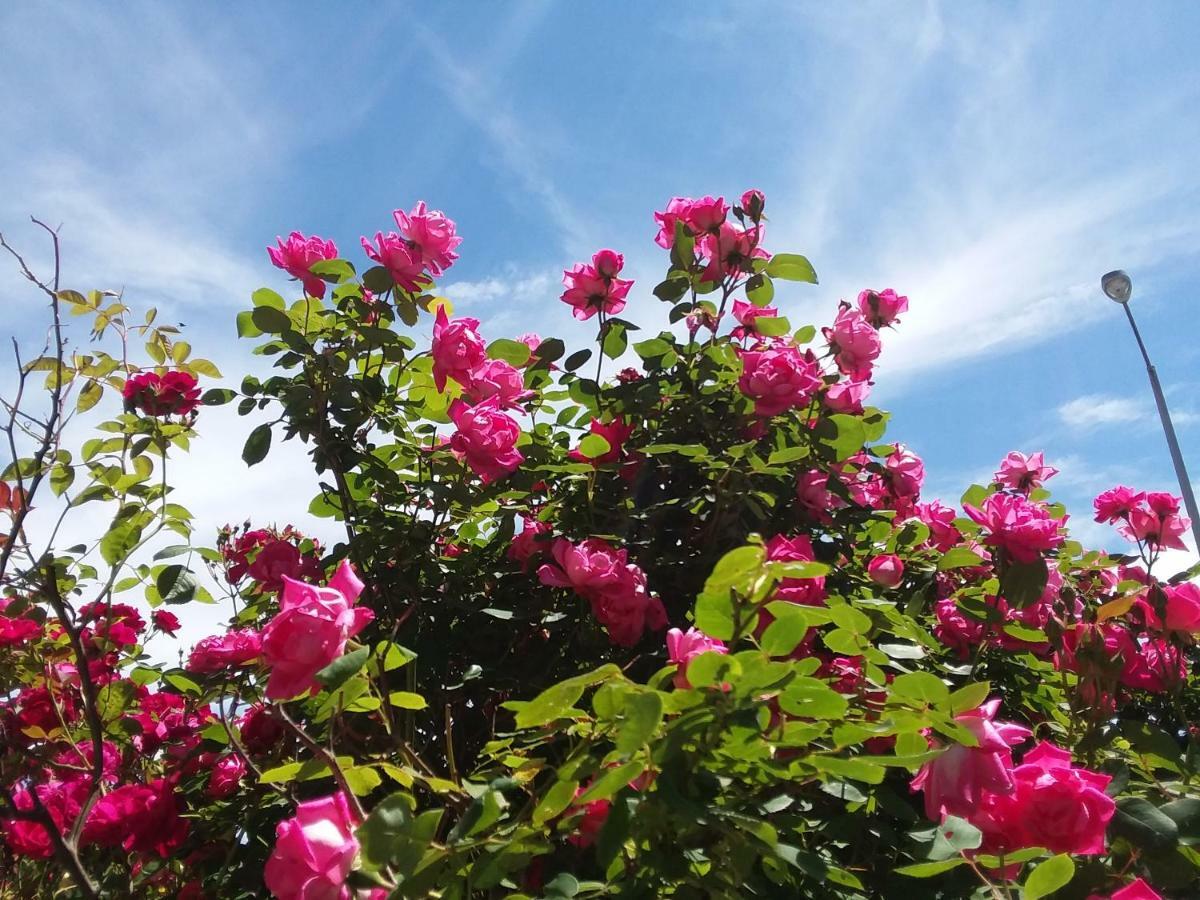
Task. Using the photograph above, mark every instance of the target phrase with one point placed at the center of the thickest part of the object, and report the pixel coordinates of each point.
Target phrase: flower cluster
(173, 393)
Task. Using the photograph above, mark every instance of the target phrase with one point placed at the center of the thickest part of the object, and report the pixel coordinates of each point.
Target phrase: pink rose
(812, 491)
(1183, 607)
(1116, 503)
(746, 315)
(165, 621)
(314, 853)
(854, 343)
(881, 308)
(956, 630)
(431, 235)
(141, 818)
(1022, 528)
(906, 472)
(616, 432)
(847, 396)
(1024, 473)
(730, 250)
(594, 287)
(275, 560)
(1156, 521)
(1135, 890)
(954, 781)
(1055, 805)
(886, 571)
(457, 349)
(778, 378)
(296, 257)
(486, 439)
(706, 215)
(402, 260)
(589, 567)
(310, 631)
(260, 731)
(173, 393)
(499, 379)
(226, 775)
(805, 591)
(676, 211)
(219, 652)
(682, 646)
(529, 542)
(753, 202)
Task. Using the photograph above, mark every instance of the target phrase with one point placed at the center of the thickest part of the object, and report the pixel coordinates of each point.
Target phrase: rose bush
(687, 630)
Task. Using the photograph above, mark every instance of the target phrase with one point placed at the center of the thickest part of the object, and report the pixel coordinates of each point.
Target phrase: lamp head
(1117, 286)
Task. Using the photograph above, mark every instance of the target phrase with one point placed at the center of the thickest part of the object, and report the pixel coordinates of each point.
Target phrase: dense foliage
(666, 616)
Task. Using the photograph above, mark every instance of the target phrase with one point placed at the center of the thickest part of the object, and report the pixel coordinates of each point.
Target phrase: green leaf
(593, 446)
(268, 298)
(844, 434)
(953, 836)
(652, 348)
(176, 584)
(123, 535)
(760, 290)
(1047, 877)
(921, 686)
(969, 697)
(61, 478)
(1144, 824)
(557, 799)
(929, 869)
(812, 699)
(643, 715)
(577, 359)
(612, 781)
(342, 669)
(407, 700)
(672, 289)
(784, 635)
(1185, 813)
(271, 320)
(854, 767)
(515, 353)
(89, 396)
(615, 340)
(257, 445)
(772, 326)
(378, 280)
(281, 774)
(791, 267)
(959, 558)
(394, 655)
(182, 683)
(217, 396)
(383, 828)
(245, 324)
(551, 703)
(1023, 583)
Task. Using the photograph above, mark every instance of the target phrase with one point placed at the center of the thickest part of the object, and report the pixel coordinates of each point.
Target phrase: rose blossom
(1183, 607)
(882, 308)
(219, 652)
(529, 542)
(457, 349)
(314, 852)
(886, 571)
(854, 343)
(1116, 503)
(275, 560)
(402, 260)
(499, 379)
(1135, 890)
(616, 432)
(173, 393)
(1156, 521)
(485, 439)
(939, 518)
(297, 256)
(753, 201)
(778, 378)
(594, 287)
(310, 631)
(813, 494)
(805, 591)
(954, 781)
(1024, 473)
(165, 621)
(676, 211)
(431, 235)
(1023, 528)
(683, 646)
(139, 817)
(226, 775)
(847, 396)
(746, 315)
(906, 472)
(730, 250)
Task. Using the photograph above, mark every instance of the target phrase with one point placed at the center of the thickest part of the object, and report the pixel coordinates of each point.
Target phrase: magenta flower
(402, 260)
(431, 234)
(1024, 473)
(805, 591)
(854, 343)
(314, 853)
(886, 571)
(955, 780)
(594, 287)
(297, 255)
(457, 349)
(778, 378)
(1022, 528)
(1117, 503)
(485, 439)
(499, 379)
(730, 250)
(746, 315)
(616, 432)
(847, 396)
(882, 308)
(683, 646)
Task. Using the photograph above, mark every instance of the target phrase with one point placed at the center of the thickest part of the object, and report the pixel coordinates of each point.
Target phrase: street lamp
(1118, 288)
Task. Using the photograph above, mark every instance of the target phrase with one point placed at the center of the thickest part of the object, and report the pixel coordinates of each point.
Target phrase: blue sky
(988, 160)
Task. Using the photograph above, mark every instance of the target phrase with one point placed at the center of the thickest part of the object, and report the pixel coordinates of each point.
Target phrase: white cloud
(1097, 410)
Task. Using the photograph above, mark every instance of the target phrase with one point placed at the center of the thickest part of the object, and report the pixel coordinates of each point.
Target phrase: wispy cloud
(1097, 410)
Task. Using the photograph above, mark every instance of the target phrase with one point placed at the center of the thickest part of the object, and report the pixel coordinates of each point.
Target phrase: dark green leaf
(342, 669)
(257, 445)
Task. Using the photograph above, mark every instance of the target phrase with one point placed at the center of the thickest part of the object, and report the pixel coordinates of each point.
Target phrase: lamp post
(1118, 288)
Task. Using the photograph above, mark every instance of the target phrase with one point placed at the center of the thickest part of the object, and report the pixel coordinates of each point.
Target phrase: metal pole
(1185, 485)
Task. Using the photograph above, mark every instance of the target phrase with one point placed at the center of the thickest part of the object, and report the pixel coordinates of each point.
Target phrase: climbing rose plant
(663, 616)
